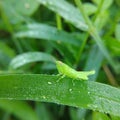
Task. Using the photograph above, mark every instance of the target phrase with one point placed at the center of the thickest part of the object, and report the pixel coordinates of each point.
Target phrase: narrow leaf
(67, 11)
(86, 94)
(43, 31)
(30, 57)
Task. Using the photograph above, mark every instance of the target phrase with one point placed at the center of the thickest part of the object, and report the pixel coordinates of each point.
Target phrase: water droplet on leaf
(49, 83)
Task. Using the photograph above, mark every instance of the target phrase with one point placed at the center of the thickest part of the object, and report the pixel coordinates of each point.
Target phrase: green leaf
(18, 108)
(47, 32)
(30, 57)
(67, 11)
(86, 94)
(18, 9)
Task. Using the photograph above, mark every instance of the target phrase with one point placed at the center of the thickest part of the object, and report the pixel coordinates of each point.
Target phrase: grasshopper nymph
(65, 70)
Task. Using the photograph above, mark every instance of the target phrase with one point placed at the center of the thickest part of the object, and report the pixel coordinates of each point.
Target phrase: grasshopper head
(59, 65)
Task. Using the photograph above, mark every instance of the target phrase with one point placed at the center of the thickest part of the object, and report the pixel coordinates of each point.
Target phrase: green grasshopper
(65, 70)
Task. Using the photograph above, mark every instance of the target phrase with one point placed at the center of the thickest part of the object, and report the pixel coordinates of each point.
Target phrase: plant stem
(110, 76)
(59, 22)
(81, 49)
(98, 10)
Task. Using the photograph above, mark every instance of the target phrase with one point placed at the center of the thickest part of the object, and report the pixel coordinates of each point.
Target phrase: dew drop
(88, 92)
(49, 83)
(70, 89)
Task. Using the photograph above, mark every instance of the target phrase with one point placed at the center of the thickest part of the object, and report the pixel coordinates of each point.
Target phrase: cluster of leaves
(36, 33)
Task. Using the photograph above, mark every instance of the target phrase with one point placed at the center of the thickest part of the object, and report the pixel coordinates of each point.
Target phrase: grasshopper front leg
(61, 77)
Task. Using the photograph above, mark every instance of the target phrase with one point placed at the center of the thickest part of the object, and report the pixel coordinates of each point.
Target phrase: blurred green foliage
(83, 34)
